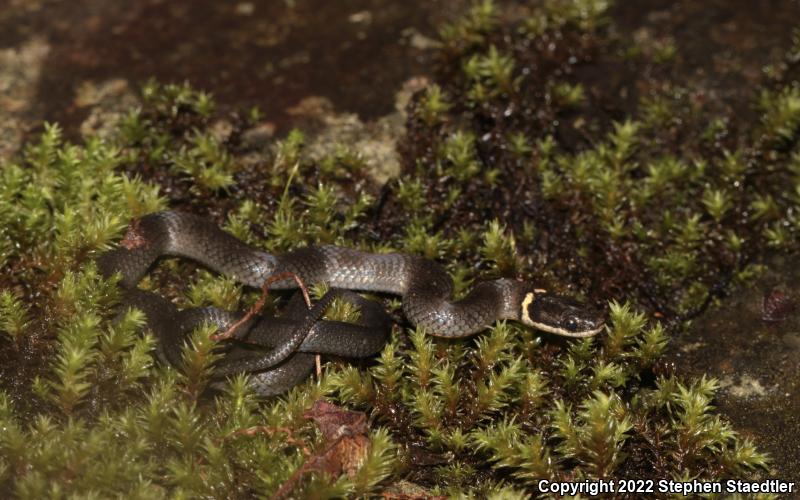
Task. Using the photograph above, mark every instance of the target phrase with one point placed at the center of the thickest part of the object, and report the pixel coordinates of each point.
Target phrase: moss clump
(84, 407)
(671, 203)
(508, 172)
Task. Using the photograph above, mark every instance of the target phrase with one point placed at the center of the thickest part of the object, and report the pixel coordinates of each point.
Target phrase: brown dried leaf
(346, 444)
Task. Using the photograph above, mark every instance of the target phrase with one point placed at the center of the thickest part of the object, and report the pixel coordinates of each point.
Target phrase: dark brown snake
(425, 288)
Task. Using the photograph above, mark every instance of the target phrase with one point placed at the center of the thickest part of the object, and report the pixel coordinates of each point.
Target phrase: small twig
(270, 431)
(258, 306)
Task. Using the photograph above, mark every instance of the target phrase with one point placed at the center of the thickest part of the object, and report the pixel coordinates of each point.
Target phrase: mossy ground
(655, 208)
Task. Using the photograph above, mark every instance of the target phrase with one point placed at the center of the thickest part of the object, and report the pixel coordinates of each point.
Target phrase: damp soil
(357, 53)
(751, 344)
(264, 53)
(723, 46)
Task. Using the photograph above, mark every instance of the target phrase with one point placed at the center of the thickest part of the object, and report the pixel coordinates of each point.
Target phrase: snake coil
(425, 288)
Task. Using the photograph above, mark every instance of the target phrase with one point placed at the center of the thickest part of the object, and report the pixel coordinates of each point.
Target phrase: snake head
(561, 315)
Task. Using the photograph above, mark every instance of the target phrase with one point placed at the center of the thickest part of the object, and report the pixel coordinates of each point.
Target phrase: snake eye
(571, 324)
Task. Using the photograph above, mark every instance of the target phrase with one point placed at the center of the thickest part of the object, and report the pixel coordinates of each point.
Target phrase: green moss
(433, 105)
(781, 114)
(206, 162)
(567, 95)
(479, 20)
(13, 316)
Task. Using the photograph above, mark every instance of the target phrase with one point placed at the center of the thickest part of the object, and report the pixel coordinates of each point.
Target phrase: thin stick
(270, 431)
(258, 306)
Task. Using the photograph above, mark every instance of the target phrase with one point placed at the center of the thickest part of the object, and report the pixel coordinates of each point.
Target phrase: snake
(352, 340)
(424, 286)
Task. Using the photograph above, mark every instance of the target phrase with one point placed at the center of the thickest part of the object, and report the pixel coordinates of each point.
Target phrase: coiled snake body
(425, 288)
